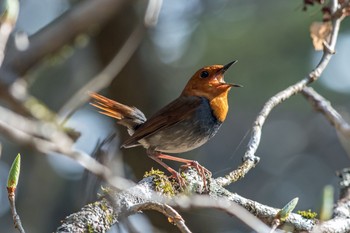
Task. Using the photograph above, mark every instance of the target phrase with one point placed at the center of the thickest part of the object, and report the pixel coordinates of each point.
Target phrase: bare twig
(12, 182)
(173, 216)
(223, 204)
(324, 106)
(249, 158)
(15, 216)
(106, 76)
(152, 12)
(275, 224)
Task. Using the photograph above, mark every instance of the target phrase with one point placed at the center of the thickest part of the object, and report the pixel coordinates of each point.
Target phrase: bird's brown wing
(176, 111)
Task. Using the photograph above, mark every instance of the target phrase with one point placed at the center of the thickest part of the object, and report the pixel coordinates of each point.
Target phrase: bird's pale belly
(185, 135)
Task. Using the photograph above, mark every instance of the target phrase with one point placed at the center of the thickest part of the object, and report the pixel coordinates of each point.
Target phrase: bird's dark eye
(204, 74)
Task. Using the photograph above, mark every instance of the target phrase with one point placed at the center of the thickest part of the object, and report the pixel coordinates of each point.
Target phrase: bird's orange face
(209, 82)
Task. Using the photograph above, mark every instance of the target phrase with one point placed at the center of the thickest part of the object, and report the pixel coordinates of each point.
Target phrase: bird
(184, 124)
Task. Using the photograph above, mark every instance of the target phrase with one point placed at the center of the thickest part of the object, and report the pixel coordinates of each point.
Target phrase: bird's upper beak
(221, 76)
(225, 68)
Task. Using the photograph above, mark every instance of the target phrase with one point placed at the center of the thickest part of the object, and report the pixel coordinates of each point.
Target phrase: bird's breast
(187, 134)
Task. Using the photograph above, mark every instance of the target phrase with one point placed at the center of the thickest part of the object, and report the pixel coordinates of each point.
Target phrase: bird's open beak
(224, 69)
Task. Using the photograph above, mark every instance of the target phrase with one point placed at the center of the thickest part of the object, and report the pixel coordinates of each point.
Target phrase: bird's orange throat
(219, 105)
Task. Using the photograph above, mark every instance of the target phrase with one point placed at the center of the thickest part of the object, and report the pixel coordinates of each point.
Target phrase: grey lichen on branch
(96, 217)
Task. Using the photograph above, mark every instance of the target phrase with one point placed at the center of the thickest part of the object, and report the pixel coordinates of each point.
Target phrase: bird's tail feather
(130, 117)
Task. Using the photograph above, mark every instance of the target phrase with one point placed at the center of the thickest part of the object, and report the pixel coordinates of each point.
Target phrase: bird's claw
(180, 179)
(202, 171)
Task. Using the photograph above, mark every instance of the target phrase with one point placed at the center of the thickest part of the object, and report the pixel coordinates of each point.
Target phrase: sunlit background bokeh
(299, 150)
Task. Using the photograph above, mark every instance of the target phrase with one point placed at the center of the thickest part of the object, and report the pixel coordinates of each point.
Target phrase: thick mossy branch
(102, 214)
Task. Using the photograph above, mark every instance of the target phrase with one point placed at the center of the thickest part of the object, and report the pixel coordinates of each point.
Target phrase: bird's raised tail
(130, 117)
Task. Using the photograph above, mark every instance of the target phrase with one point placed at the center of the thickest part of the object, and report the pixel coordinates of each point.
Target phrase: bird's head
(209, 82)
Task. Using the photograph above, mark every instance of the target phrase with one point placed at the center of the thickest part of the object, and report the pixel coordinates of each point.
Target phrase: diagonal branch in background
(63, 30)
(100, 81)
(323, 106)
(249, 158)
(47, 138)
(106, 76)
(115, 66)
(85, 16)
(8, 19)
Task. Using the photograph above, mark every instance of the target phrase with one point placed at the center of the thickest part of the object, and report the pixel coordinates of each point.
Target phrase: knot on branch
(344, 183)
(314, 75)
(344, 175)
(252, 158)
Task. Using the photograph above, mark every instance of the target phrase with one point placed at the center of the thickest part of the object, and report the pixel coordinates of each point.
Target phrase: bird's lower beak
(232, 84)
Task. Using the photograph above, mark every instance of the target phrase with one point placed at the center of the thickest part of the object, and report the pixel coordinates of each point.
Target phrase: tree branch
(47, 138)
(84, 17)
(128, 201)
(249, 158)
(323, 106)
(106, 76)
(173, 216)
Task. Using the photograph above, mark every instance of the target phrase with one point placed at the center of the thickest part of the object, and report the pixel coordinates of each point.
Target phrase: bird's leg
(189, 163)
(174, 174)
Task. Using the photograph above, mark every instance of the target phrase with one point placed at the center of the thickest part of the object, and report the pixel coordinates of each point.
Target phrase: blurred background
(300, 151)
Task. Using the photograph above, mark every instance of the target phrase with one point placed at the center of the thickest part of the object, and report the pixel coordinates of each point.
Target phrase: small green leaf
(327, 203)
(287, 209)
(13, 177)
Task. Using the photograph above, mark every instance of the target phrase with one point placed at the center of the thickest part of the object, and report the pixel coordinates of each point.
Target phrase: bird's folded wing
(180, 109)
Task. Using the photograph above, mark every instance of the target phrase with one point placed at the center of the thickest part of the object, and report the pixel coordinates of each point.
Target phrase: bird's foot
(177, 176)
(202, 171)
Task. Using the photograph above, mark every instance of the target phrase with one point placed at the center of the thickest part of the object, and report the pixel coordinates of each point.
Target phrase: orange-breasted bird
(183, 125)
